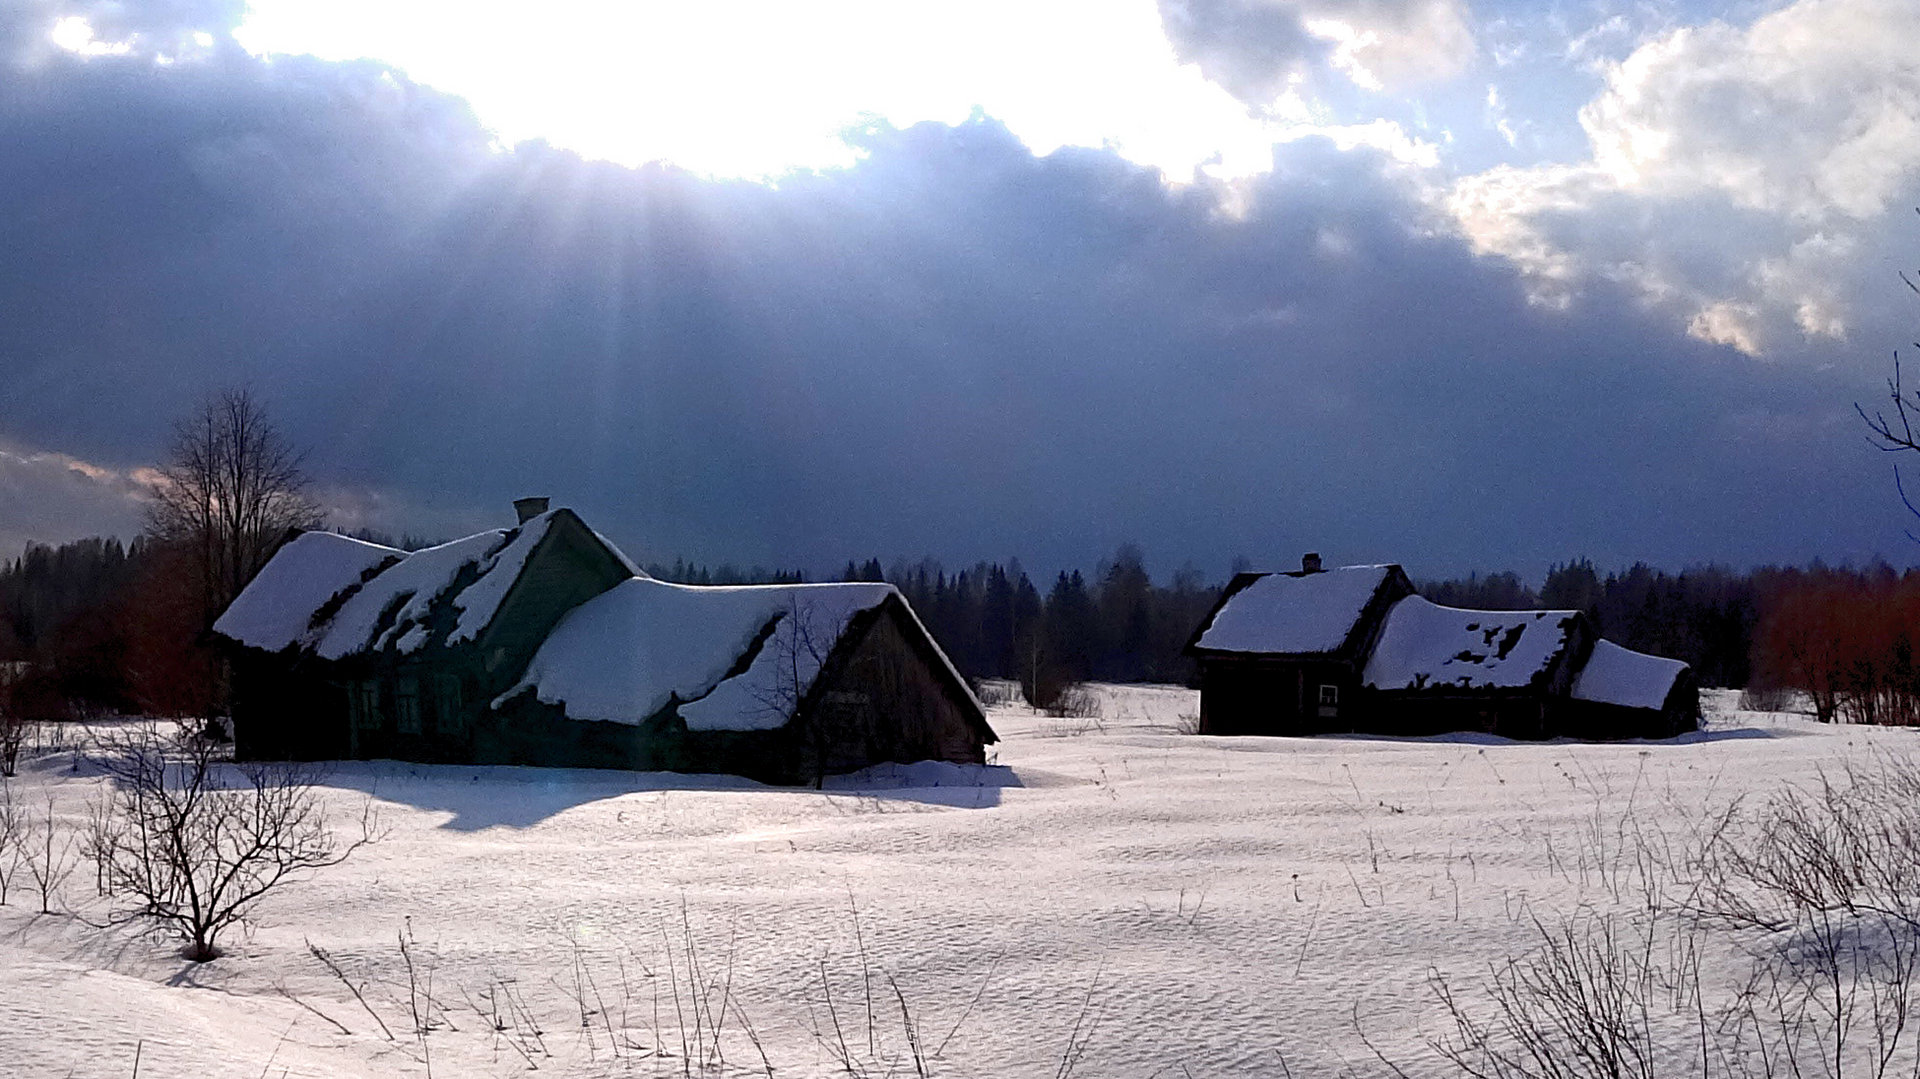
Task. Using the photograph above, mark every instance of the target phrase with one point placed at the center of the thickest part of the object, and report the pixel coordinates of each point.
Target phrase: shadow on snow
(517, 797)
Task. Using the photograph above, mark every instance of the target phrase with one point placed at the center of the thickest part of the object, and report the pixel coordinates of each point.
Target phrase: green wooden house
(542, 644)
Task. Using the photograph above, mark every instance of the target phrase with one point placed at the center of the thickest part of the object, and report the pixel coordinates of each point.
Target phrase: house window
(364, 701)
(446, 701)
(1329, 702)
(406, 705)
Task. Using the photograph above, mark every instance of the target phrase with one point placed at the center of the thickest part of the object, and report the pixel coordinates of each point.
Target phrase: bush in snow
(1815, 893)
(196, 843)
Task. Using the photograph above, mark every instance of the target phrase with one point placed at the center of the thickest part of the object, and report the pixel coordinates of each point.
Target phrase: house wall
(878, 699)
(1678, 714)
(1267, 695)
(304, 708)
(426, 709)
(1511, 713)
(285, 711)
(883, 697)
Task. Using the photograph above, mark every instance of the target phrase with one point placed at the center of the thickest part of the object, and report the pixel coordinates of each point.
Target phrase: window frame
(406, 706)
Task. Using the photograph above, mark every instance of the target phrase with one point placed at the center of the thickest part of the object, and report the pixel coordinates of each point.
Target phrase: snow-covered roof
(1616, 675)
(627, 653)
(276, 609)
(1284, 612)
(1425, 645)
(412, 585)
(393, 608)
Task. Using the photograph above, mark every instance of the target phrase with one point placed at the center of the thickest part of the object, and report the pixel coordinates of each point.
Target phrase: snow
(1424, 644)
(274, 610)
(1285, 613)
(413, 583)
(1215, 902)
(625, 654)
(1616, 675)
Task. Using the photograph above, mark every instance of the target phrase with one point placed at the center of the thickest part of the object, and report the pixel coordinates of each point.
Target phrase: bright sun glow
(760, 87)
(75, 35)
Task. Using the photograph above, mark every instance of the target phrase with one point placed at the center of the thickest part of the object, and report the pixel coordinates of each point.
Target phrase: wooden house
(1355, 650)
(543, 644)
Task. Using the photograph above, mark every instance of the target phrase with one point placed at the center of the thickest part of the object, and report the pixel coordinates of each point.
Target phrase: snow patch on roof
(1281, 612)
(1425, 645)
(629, 652)
(412, 584)
(1617, 675)
(276, 607)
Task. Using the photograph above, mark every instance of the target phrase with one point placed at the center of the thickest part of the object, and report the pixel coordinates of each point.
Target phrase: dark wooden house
(1355, 650)
(543, 644)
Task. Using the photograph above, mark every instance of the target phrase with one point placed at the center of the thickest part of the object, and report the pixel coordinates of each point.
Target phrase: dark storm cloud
(952, 348)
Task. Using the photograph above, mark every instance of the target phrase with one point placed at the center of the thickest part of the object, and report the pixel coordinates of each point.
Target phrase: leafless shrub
(1849, 845)
(1592, 1000)
(13, 825)
(47, 851)
(13, 735)
(356, 988)
(1830, 878)
(1816, 891)
(1769, 699)
(992, 692)
(1076, 701)
(196, 844)
(866, 1037)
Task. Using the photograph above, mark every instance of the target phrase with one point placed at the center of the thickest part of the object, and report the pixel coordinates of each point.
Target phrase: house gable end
(570, 565)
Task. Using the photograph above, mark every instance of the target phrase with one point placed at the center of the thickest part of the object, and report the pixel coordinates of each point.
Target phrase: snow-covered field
(1112, 897)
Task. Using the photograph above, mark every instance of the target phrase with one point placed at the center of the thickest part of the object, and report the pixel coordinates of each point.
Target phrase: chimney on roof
(1310, 563)
(529, 508)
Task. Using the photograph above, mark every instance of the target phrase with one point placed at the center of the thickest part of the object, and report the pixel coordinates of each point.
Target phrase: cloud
(1258, 49)
(955, 346)
(50, 497)
(1740, 177)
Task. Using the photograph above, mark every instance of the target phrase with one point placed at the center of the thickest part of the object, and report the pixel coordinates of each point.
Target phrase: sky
(1462, 285)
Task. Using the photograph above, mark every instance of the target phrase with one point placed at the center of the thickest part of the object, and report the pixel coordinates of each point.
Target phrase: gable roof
(310, 595)
(1426, 646)
(1618, 675)
(1292, 613)
(733, 658)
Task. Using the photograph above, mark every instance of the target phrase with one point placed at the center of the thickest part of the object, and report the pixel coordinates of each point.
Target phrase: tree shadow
(512, 796)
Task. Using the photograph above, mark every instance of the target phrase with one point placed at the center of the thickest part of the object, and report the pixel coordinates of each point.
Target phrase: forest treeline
(94, 627)
(97, 626)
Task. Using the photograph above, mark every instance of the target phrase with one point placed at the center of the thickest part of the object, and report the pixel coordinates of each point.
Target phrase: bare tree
(231, 488)
(47, 854)
(1897, 434)
(196, 844)
(13, 734)
(13, 721)
(13, 826)
(798, 641)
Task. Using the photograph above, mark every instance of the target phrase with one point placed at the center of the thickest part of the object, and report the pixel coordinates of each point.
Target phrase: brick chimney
(529, 508)
(1310, 563)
